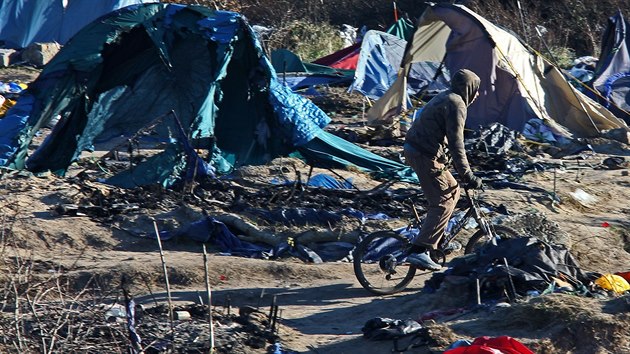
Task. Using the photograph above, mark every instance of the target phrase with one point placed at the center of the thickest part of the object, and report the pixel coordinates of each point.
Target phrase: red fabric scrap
(487, 345)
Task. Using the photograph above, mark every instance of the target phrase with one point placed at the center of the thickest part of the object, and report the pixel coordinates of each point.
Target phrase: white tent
(516, 83)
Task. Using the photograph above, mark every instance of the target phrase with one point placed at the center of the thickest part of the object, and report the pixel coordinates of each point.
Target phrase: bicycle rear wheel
(480, 238)
(379, 263)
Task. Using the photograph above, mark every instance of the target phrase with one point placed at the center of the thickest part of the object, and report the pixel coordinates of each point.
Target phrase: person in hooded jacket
(440, 126)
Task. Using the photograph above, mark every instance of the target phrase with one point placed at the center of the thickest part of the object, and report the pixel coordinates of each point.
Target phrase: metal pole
(520, 12)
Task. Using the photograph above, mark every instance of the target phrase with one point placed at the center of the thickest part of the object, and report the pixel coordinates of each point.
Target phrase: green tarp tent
(193, 73)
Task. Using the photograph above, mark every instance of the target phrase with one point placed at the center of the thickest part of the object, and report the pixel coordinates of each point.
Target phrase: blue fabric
(608, 86)
(320, 180)
(212, 230)
(13, 122)
(298, 116)
(23, 22)
(306, 216)
(378, 65)
(328, 181)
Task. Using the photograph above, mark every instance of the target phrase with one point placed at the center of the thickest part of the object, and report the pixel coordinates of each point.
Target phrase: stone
(6, 56)
(182, 315)
(39, 54)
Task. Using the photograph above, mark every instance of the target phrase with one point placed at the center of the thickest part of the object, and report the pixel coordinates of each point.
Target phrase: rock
(182, 315)
(39, 54)
(5, 57)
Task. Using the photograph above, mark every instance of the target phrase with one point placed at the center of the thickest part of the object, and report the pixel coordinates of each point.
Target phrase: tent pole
(520, 12)
(343, 178)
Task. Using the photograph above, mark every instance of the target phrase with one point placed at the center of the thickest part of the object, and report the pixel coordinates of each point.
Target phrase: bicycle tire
(370, 272)
(474, 241)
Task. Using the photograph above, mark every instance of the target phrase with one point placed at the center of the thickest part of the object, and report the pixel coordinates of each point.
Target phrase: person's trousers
(442, 193)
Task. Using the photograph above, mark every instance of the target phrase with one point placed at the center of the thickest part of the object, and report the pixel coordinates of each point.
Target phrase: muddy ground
(70, 245)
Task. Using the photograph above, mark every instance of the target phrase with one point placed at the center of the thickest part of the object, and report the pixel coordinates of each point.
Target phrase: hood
(466, 84)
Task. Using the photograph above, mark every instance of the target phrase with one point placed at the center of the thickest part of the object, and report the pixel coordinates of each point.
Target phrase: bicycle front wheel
(480, 238)
(379, 263)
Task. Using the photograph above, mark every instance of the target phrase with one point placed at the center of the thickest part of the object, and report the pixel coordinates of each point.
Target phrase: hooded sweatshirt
(441, 123)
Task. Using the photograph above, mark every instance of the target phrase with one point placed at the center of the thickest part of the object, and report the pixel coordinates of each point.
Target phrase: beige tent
(516, 84)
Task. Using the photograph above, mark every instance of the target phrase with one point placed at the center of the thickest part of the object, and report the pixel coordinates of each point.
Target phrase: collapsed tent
(516, 84)
(377, 68)
(518, 266)
(194, 77)
(297, 74)
(612, 74)
(23, 22)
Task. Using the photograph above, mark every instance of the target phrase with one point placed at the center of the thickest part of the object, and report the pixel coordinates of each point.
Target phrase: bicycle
(379, 259)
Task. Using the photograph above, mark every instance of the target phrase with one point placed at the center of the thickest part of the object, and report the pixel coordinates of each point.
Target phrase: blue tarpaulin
(23, 22)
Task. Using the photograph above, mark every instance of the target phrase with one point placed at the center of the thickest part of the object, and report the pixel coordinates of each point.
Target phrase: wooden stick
(512, 287)
(478, 292)
(209, 294)
(168, 286)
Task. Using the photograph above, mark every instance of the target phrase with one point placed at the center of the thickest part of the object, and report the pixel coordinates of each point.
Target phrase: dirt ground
(321, 307)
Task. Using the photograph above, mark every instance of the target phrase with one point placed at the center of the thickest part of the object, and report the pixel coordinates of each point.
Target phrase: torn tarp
(216, 232)
(532, 264)
(213, 231)
(494, 139)
(321, 180)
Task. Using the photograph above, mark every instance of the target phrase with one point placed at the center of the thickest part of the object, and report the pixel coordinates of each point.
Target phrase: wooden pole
(209, 295)
(168, 286)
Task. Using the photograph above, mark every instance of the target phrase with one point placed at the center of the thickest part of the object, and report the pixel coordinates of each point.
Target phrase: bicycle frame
(473, 211)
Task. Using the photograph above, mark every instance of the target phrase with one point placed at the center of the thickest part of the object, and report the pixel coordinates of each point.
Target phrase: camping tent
(516, 84)
(345, 58)
(348, 57)
(23, 22)
(612, 74)
(377, 67)
(190, 73)
(403, 29)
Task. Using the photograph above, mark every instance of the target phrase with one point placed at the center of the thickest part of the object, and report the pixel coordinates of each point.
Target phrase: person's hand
(472, 182)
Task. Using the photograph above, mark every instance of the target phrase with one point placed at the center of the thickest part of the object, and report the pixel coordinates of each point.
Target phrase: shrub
(308, 40)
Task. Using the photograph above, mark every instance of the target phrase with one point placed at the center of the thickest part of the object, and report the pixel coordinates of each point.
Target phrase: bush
(562, 56)
(308, 40)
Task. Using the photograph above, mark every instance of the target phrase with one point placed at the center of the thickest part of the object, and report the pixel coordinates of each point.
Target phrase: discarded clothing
(614, 283)
(487, 345)
(380, 328)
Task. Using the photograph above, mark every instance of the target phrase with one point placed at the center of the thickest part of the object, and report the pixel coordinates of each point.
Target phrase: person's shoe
(423, 261)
